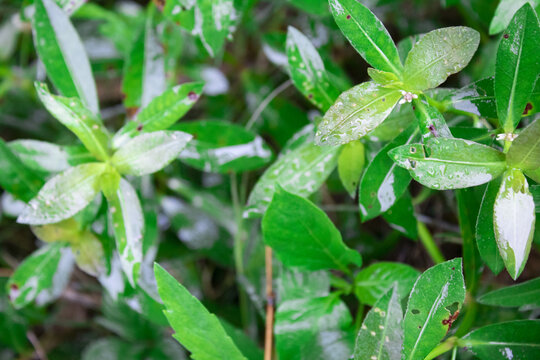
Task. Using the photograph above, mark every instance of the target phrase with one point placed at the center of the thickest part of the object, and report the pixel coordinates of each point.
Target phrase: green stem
(428, 242)
(442, 348)
(359, 317)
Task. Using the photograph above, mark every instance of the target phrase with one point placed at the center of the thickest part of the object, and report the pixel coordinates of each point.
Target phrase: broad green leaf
(430, 121)
(367, 35)
(351, 165)
(222, 147)
(150, 152)
(437, 55)
(214, 21)
(505, 12)
(317, 242)
(301, 172)
(526, 293)
(485, 231)
(356, 112)
(513, 221)
(517, 67)
(72, 113)
(375, 280)
(307, 71)
(477, 98)
(245, 344)
(326, 316)
(383, 78)
(42, 276)
(525, 150)
(128, 224)
(384, 182)
(509, 340)
(381, 335)
(444, 163)
(16, 177)
(293, 284)
(63, 54)
(64, 195)
(401, 217)
(161, 113)
(433, 306)
(63, 231)
(195, 328)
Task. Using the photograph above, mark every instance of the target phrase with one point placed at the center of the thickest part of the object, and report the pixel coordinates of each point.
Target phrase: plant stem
(428, 242)
(359, 317)
(449, 344)
(269, 326)
(257, 113)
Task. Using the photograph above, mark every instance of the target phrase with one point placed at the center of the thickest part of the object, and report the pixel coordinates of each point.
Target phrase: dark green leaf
(526, 293)
(430, 120)
(477, 98)
(401, 217)
(525, 150)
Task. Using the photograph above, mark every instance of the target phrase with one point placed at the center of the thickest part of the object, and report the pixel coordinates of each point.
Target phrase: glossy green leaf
(195, 328)
(433, 306)
(383, 181)
(351, 165)
(384, 78)
(307, 71)
(505, 341)
(444, 163)
(401, 217)
(301, 172)
(375, 280)
(381, 335)
(42, 276)
(63, 54)
(517, 67)
(356, 112)
(513, 220)
(317, 242)
(293, 284)
(485, 231)
(366, 34)
(214, 20)
(430, 121)
(437, 55)
(245, 344)
(72, 113)
(64, 195)
(302, 339)
(505, 12)
(150, 152)
(223, 147)
(477, 98)
(526, 293)
(525, 150)
(398, 120)
(535, 191)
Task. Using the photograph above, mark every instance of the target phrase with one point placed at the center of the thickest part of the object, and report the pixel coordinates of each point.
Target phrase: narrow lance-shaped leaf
(524, 294)
(381, 335)
(524, 153)
(437, 55)
(64, 195)
(505, 12)
(513, 220)
(433, 306)
(292, 217)
(195, 328)
(367, 35)
(444, 163)
(517, 67)
(63, 54)
(351, 165)
(307, 70)
(356, 112)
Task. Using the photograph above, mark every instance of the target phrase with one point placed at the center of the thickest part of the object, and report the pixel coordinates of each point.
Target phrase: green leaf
(64, 195)
(301, 172)
(444, 163)
(148, 153)
(485, 231)
(161, 113)
(128, 224)
(526, 293)
(437, 55)
(367, 35)
(433, 306)
(383, 182)
(63, 54)
(307, 70)
(222, 147)
(245, 344)
(317, 242)
(214, 20)
(195, 328)
(293, 284)
(386, 79)
(72, 113)
(381, 335)
(401, 217)
(508, 340)
(524, 153)
(351, 165)
(375, 280)
(42, 276)
(505, 12)
(477, 98)
(302, 339)
(517, 67)
(430, 121)
(535, 191)
(89, 254)
(513, 220)
(356, 112)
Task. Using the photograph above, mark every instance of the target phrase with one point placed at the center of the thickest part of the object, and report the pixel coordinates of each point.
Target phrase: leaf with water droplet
(477, 98)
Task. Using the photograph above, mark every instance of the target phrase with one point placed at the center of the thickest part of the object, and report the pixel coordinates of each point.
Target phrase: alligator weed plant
(159, 174)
